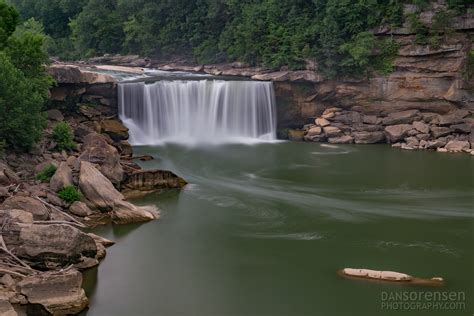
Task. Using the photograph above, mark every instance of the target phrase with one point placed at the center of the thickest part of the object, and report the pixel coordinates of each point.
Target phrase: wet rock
(115, 129)
(421, 127)
(28, 204)
(368, 137)
(397, 132)
(412, 142)
(441, 150)
(296, 135)
(437, 143)
(55, 115)
(60, 293)
(457, 146)
(146, 158)
(80, 209)
(126, 148)
(322, 122)
(102, 195)
(403, 117)
(98, 151)
(423, 144)
(50, 245)
(440, 131)
(62, 178)
(345, 139)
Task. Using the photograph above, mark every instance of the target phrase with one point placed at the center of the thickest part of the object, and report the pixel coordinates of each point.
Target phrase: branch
(61, 212)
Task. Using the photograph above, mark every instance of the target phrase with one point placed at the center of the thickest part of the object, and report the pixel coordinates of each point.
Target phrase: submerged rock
(142, 182)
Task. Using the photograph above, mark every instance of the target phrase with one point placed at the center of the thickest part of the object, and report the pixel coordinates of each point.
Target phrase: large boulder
(50, 245)
(7, 175)
(80, 209)
(332, 131)
(98, 151)
(102, 195)
(368, 137)
(60, 293)
(440, 131)
(115, 129)
(454, 117)
(142, 182)
(403, 117)
(15, 216)
(28, 204)
(6, 309)
(62, 177)
(457, 146)
(397, 132)
(422, 127)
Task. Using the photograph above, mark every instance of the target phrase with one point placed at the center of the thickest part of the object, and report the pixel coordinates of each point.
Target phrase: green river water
(262, 230)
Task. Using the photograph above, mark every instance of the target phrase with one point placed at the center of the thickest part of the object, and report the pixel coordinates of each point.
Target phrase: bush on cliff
(70, 194)
(24, 84)
(63, 136)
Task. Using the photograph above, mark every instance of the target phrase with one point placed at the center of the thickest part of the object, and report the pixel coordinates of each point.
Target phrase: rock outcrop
(98, 151)
(142, 182)
(102, 195)
(50, 245)
(60, 293)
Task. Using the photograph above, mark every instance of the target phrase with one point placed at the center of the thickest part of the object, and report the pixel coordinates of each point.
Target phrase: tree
(24, 86)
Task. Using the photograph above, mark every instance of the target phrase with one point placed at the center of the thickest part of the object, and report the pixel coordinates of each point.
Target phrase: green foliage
(3, 145)
(9, 19)
(63, 136)
(70, 194)
(46, 174)
(273, 33)
(24, 87)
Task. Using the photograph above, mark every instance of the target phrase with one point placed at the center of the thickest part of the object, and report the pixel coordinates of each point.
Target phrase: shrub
(46, 174)
(69, 194)
(63, 136)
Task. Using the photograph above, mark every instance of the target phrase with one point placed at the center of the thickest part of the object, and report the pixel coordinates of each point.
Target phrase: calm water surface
(261, 230)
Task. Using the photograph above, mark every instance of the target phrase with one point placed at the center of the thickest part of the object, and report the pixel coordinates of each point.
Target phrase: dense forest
(273, 33)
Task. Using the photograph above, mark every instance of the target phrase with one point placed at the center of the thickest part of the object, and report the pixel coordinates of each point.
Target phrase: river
(262, 229)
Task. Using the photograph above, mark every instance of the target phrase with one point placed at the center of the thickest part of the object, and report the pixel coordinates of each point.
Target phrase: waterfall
(198, 111)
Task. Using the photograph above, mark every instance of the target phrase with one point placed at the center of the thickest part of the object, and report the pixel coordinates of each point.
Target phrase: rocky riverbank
(44, 241)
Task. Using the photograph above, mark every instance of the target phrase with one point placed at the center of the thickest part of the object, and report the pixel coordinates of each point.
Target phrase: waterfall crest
(198, 111)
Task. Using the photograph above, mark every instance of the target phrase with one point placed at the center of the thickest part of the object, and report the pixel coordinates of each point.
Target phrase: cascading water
(198, 111)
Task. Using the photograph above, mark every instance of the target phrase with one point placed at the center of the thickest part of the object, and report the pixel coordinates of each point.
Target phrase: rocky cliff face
(429, 81)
